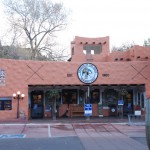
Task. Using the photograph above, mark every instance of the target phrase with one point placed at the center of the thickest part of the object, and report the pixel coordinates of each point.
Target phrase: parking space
(70, 129)
(92, 135)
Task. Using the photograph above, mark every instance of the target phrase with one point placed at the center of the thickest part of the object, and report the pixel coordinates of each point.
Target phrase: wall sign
(87, 73)
(2, 77)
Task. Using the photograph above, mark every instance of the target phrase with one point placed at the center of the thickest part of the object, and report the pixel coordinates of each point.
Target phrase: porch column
(100, 101)
(78, 96)
(29, 104)
(44, 103)
(100, 106)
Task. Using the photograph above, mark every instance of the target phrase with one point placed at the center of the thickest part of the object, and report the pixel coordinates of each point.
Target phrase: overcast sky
(122, 20)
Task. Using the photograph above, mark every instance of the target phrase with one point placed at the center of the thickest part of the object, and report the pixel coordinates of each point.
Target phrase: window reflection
(95, 96)
(69, 96)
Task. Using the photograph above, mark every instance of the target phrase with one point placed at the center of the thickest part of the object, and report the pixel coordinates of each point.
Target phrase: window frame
(3, 101)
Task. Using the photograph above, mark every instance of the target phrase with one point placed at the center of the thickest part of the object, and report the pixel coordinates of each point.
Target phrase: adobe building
(93, 75)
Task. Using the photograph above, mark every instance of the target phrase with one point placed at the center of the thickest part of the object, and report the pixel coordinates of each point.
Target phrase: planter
(105, 111)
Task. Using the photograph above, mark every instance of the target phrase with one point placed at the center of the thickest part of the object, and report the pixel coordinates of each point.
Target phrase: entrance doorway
(37, 106)
(128, 102)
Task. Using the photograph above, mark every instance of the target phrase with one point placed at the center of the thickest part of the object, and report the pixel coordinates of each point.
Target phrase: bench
(77, 110)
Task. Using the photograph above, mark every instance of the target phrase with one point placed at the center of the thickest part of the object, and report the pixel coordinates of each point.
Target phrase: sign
(2, 77)
(137, 113)
(87, 73)
(121, 102)
(6, 136)
(48, 108)
(87, 109)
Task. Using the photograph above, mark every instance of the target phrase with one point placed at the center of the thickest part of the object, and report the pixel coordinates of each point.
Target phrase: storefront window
(69, 96)
(95, 97)
(49, 98)
(6, 103)
(110, 97)
(142, 99)
(81, 97)
(139, 99)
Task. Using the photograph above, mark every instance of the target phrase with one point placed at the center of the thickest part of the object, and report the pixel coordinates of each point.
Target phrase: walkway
(93, 134)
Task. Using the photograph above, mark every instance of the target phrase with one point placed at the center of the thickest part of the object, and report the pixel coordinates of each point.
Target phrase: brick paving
(98, 134)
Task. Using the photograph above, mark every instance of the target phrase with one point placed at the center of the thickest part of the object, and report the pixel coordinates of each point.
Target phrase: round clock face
(87, 73)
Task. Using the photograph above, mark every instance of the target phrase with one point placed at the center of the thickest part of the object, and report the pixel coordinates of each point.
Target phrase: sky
(124, 21)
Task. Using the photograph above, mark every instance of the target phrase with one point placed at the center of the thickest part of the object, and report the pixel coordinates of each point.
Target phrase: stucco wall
(21, 73)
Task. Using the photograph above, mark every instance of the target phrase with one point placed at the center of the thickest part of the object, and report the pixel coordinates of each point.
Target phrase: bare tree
(37, 21)
(146, 42)
(123, 47)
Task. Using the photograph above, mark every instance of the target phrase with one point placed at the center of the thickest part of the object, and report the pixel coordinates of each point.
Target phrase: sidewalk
(69, 120)
(96, 133)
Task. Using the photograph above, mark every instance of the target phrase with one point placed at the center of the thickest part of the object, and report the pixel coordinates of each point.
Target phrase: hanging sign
(2, 77)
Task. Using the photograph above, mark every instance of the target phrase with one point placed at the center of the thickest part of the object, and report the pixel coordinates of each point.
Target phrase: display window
(110, 97)
(6, 103)
(95, 96)
(82, 96)
(69, 96)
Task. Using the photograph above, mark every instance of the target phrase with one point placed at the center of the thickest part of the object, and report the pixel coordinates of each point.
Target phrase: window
(72, 50)
(69, 96)
(110, 97)
(92, 49)
(81, 97)
(6, 103)
(95, 96)
(142, 100)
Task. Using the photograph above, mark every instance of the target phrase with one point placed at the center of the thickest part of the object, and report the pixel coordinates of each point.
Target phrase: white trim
(49, 131)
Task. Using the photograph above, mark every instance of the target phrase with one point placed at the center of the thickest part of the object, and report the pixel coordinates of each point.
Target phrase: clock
(87, 73)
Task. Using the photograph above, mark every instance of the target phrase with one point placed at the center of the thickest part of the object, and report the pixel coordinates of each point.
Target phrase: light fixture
(18, 96)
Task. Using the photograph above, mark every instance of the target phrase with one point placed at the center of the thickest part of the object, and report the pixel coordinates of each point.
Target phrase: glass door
(37, 106)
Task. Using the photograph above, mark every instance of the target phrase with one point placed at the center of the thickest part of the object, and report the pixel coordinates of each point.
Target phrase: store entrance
(128, 102)
(111, 98)
(37, 106)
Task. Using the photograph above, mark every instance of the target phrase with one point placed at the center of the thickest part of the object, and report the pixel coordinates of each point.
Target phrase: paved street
(71, 143)
(81, 136)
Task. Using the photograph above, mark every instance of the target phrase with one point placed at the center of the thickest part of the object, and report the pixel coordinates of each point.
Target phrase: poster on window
(2, 77)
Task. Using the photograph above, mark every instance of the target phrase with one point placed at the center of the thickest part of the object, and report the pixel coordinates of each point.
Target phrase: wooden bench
(77, 110)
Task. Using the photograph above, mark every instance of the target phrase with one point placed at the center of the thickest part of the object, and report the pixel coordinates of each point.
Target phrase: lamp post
(18, 96)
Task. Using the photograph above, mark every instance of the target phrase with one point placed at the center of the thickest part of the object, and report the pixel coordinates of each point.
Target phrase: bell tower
(89, 49)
